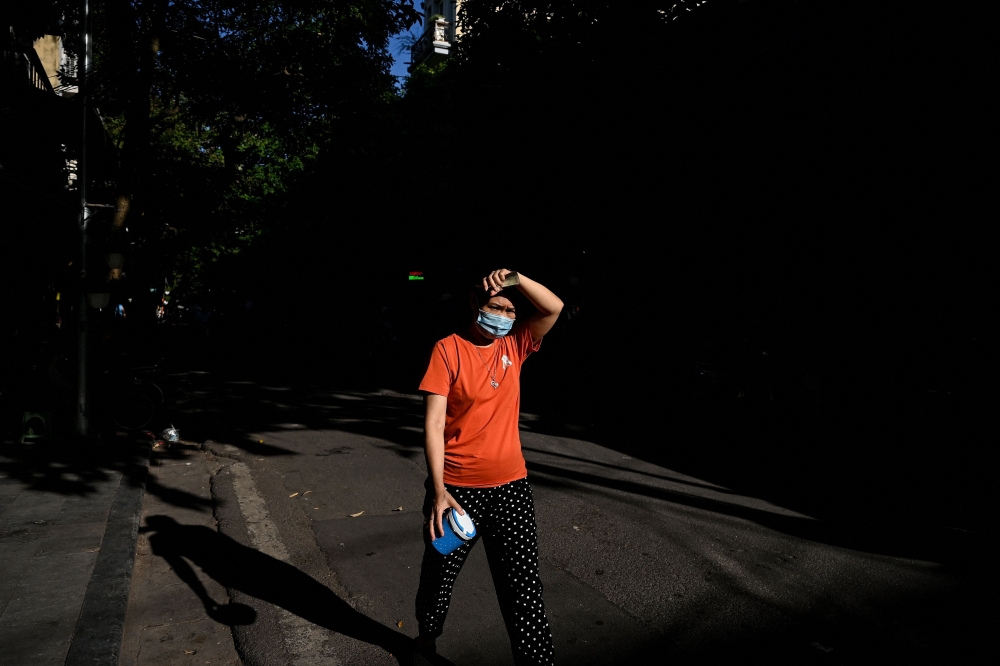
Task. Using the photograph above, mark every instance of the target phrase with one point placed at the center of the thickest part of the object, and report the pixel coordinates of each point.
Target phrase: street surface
(67, 518)
(318, 508)
(167, 620)
(49, 543)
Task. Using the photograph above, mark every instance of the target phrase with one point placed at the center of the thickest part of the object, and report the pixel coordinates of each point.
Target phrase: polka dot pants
(505, 520)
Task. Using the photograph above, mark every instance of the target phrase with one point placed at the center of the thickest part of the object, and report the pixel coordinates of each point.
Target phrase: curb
(97, 640)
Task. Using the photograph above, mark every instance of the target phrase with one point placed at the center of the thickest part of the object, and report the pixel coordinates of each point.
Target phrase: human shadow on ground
(393, 421)
(263, 577)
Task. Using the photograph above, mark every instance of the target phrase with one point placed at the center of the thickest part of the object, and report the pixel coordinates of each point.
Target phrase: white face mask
(495, 325)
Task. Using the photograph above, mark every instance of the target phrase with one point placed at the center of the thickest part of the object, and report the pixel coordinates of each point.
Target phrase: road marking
(305, 641)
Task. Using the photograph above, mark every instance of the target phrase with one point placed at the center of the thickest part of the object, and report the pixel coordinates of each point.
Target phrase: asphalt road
(639, 561)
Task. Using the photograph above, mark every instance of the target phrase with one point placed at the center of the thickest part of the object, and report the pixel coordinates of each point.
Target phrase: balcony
(433, 46)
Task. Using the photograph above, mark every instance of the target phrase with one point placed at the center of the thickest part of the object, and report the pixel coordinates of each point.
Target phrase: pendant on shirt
(494, 385)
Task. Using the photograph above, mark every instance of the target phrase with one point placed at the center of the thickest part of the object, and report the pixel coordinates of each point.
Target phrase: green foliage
(219, 107)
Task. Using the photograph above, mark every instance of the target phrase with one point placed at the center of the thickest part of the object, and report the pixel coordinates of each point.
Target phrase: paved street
(68, 515)
(168, 621)
(49, 543)
(637, 559)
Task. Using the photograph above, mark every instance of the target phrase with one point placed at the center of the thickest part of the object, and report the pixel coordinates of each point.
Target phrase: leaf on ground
(400, 624)
(355, 515)
(293, 494)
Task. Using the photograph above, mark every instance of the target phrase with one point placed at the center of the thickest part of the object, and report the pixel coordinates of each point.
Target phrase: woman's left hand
(493, 282)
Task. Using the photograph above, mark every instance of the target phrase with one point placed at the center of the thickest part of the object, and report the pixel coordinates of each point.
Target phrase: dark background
(810, 182)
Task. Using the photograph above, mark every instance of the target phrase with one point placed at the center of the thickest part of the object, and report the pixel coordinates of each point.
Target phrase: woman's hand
(493, 282)
(442, 502)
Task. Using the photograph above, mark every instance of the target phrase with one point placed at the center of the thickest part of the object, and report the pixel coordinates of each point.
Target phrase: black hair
(472, 278)
(510, 293)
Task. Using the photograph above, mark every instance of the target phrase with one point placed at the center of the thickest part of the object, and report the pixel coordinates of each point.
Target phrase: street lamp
(82, 420)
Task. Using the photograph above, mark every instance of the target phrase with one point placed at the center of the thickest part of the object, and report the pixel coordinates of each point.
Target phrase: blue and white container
(457, 530)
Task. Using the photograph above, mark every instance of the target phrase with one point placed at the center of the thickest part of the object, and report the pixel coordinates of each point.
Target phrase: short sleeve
(523, 342)
(438, 378)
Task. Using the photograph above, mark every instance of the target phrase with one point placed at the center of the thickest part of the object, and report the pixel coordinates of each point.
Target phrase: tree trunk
(136, 150)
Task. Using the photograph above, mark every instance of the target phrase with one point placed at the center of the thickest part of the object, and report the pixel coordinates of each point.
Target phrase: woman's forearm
(434, 451)
(434, 419)
(540, 296)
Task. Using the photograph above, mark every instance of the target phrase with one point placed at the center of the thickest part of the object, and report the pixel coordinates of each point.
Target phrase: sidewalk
(167, 621)
(68, 518)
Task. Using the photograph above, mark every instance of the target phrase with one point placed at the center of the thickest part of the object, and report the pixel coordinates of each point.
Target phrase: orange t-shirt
(482, 447)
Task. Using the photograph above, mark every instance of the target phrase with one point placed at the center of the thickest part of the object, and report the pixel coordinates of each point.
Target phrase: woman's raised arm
(548, 304)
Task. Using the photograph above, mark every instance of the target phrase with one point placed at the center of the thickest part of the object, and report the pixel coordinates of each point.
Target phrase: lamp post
(82, 421)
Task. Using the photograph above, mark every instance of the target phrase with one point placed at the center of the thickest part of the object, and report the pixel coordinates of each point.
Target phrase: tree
(216, 106)
(212, 112)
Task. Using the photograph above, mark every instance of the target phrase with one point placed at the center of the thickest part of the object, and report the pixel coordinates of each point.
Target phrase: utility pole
(83, 69)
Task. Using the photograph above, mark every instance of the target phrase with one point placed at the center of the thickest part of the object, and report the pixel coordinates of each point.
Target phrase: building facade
(440, 32)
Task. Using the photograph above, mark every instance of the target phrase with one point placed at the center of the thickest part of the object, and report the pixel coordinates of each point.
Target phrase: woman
(474, 462)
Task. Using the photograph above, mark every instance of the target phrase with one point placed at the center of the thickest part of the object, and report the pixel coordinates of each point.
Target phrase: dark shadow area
(942, 628)
(261, 576)
(37, 375)
(71, 465)
(625, 469)
(860, 533)
(76, 466)
(845, 520)
(786, 459)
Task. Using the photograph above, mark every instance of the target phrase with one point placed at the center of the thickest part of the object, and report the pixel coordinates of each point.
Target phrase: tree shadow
(862, 493)
(857, 533)
(240, 411)
(80, 466)
(263, 577)
(608, 466)
(725, 458)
